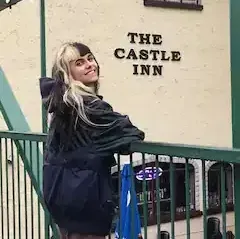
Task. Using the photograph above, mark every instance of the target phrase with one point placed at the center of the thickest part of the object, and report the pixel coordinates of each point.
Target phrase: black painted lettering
(154, 54)
(144, 38)
(135, 69)
(157, 39)
(132, 55)
(132, 37)
(117, 51)
(143, 54)
(164, 57)
(157, 70)
(145, 69)
(176, 55)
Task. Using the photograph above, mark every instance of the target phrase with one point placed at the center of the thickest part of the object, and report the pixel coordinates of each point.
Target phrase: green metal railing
(187, 154)
(22, 211)
(23, 214)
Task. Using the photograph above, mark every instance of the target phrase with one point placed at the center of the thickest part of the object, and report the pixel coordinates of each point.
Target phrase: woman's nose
(88, 64)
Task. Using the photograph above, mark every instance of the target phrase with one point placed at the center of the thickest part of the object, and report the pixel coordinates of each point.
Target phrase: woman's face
(85, 70)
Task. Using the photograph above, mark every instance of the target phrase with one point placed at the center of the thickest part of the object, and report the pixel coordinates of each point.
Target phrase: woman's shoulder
(97, 103)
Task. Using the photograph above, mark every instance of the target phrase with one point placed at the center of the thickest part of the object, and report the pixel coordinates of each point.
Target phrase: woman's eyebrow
(82, 58)
(79, 59)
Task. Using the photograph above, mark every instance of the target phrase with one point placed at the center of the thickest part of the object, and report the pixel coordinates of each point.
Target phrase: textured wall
(189, 103)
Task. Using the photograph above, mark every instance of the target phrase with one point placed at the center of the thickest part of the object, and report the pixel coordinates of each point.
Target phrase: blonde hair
(75, 90)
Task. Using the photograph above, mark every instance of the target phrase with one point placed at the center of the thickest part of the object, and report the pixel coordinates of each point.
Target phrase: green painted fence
(23, 215)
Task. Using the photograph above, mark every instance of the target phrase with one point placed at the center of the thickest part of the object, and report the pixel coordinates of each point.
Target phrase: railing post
(237, 199)
(235, 87)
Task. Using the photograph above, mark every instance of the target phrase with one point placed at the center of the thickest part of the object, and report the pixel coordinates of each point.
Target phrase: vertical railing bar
(31, 186)
(204, 199)
(133, 231)
(158, 199)
(47, 225)
(13, 190)
(145, 214)
(236, 180)
(19, 200)
(172, 193)
(48, 222)
(25, 190)
(1, 189)
(223, 200)
(38, 201)
(119, 194)
(187, 197)
(7, 189)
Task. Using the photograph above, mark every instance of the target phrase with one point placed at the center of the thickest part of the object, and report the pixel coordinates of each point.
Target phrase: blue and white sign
(149, 173)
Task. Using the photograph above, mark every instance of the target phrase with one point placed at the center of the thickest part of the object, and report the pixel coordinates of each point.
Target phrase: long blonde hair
(75, 90)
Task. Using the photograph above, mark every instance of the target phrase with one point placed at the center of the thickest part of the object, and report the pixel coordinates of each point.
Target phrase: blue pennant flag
(125, 228)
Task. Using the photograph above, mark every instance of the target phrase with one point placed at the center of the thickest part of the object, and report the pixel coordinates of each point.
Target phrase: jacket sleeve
(114, 132)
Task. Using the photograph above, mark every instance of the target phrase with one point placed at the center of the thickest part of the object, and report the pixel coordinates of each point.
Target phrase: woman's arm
(115, 132)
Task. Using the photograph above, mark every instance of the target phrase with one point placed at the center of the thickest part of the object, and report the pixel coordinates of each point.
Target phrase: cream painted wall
(189, 103)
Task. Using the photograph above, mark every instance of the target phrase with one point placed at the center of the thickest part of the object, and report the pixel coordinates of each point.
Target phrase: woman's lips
(90, 72)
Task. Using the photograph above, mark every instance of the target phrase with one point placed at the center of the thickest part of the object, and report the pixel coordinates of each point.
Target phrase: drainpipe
(235, 85)
(43, 56)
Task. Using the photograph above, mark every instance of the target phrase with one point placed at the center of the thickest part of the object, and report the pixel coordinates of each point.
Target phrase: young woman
(84, 134)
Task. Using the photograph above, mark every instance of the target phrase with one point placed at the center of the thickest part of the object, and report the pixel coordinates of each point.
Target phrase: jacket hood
(48, 86)
(52, 92)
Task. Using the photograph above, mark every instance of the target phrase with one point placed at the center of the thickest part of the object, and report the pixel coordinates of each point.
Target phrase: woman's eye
(90, 58)
(79, 63)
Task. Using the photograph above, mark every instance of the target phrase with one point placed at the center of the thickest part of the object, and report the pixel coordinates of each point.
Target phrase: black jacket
(78, 160)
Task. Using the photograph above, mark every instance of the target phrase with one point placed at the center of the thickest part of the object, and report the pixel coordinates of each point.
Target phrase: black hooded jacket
(78, 160)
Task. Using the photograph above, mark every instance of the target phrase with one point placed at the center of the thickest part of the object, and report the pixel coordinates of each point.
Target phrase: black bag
(77, 188)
